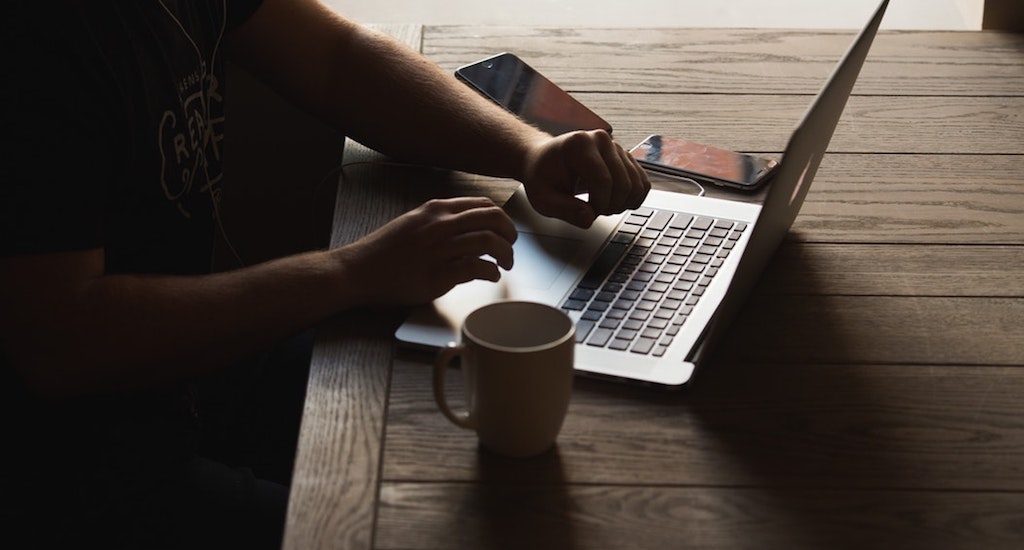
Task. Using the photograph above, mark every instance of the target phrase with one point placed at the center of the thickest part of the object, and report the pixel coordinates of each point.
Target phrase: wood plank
(763, 123)
(878, 329)
(332, 503)
(904, 199)
(964, 199)
(731, 61)
(812, 426)
(545, 516)
(895, 270)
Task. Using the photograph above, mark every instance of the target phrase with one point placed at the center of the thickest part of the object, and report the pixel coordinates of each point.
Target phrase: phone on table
(510, 82)
(703, 163)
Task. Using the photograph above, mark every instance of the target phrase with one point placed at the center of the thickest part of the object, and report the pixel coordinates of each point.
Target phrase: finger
(464, 270)
(639, 183)
(457, 204)
(622, 179)
(565, 207)
(490, 218)
(481, 243)
(586, 159)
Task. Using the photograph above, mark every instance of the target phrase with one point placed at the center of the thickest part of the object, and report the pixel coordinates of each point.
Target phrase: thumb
(567, 208)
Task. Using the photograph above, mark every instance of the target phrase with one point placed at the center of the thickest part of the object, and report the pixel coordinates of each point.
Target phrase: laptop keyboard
(639, 292)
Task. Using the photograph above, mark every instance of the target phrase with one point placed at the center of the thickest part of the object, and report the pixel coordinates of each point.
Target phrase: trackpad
(541, 259)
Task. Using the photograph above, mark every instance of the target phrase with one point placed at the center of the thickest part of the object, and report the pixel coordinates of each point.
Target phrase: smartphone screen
(703, 162)
(511, 83)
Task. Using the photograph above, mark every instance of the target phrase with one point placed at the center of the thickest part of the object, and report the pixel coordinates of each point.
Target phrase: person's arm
(68, 328)
(392, 99)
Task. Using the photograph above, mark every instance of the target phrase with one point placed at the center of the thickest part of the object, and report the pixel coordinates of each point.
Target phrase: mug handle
(462, 419)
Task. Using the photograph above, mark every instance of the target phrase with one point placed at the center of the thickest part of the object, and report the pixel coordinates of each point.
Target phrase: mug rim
(568, 334)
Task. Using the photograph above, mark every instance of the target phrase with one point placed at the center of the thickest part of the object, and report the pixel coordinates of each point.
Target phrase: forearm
(377, 91)
(127, 331)
(406, 106)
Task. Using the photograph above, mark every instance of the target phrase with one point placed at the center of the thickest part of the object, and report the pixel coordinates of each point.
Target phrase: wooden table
(871, 395)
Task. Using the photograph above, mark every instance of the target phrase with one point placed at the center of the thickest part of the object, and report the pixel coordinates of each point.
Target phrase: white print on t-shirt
(189, 138)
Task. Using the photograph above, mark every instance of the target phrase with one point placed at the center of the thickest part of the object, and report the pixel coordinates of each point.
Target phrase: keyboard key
(642, 276)
(612, 287)
(703, 223)
(663, 313)
(621, 237)
(658, 324)
(644, 345)
(574, 305)
(624, 304)
(633, 324)
(583, 329)
(646, 305)
(652, 333)
(653, 296)
(658, 287)
(591, 316)
(603, 265)
(599, 337)
(619, 345)
(604, 296)
(583, 294)
(666, 278)
(660, 220)
(640, 315)
(625, 334)
(680, 222)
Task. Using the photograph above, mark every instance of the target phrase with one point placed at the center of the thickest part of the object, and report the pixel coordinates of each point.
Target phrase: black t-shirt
(112, 116)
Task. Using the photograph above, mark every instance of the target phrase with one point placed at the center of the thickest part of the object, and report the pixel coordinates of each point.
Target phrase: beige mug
(517, 367)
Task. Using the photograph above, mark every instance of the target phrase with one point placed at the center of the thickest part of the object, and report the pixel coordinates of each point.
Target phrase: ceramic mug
(517, 367)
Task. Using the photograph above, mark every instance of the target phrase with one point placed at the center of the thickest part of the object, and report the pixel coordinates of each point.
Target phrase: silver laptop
(652, 290)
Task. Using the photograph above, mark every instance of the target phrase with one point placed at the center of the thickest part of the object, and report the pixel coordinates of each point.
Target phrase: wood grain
(870, 124)
(609, 516)
(738, 61)
(767, 425)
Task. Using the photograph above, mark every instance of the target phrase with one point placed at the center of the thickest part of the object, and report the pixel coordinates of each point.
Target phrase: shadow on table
(782, 425)
(523, 503)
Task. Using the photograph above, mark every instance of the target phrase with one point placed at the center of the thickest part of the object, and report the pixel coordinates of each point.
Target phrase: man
(113, 112)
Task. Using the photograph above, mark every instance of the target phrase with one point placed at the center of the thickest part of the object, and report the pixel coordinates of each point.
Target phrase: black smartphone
(508, 81)
(703, 163)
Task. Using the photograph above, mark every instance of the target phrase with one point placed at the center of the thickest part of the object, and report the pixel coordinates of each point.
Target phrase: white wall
(902, 14)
